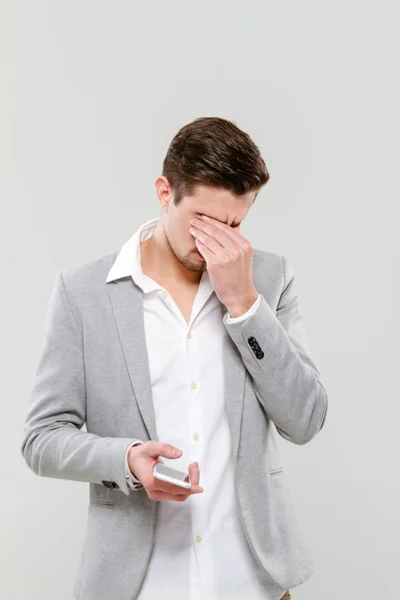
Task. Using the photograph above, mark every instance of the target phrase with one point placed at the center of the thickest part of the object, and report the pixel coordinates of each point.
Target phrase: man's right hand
(141, 460)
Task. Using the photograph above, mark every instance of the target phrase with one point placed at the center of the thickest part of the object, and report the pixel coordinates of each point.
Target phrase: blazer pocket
(102, 496)
(104, 503)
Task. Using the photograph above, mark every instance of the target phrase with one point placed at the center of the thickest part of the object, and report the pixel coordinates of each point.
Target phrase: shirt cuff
(132, 482)
(247, 314)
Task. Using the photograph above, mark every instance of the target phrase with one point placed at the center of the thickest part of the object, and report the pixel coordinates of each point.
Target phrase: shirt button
(164, 293)
(194, 385)
(189, 335)
(198, 539)
(196, 436)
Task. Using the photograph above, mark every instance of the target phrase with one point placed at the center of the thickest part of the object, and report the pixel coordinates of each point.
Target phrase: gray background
(92, 92)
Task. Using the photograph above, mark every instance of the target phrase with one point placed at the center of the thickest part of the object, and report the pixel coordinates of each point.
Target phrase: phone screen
(164, 470)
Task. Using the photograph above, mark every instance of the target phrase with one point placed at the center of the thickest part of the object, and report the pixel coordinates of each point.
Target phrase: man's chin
(197, 265)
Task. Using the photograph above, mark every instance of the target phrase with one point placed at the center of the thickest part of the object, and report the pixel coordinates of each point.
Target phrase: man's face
(219, 204)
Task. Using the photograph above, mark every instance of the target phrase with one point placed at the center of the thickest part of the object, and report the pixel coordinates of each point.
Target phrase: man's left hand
(229, 258)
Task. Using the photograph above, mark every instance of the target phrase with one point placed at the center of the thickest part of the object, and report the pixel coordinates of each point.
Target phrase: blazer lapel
(235, 376)
(127, 302)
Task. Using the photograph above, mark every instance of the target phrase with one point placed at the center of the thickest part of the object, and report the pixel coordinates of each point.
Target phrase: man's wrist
(129, 452)
(132, 481)
(241, 308)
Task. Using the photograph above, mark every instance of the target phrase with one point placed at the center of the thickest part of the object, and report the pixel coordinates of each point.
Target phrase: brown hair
(213, 151)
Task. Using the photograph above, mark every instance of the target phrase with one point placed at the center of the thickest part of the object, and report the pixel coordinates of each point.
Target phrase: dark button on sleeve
(110, 484)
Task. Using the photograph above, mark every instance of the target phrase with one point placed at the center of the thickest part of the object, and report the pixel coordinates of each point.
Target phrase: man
(186, 347)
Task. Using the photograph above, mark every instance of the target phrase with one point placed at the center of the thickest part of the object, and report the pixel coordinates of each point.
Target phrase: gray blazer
(93, 370)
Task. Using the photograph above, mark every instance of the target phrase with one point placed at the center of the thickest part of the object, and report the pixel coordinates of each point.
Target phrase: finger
(205, 252)
(232, 232)
(158, 495)
(214, 237)
(194, 476)
(213, 245)
(155, 449)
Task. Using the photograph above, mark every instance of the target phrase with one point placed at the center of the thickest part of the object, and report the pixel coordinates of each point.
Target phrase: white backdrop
(92, 92)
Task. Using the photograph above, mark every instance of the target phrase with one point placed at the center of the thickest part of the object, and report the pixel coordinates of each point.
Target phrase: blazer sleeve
(53, 444)
(275, 351)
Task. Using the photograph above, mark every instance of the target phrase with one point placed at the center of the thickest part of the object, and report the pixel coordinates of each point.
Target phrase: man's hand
(229, 263)
(141, 460)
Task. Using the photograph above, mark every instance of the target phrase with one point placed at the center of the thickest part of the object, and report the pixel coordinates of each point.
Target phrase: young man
(187, 347)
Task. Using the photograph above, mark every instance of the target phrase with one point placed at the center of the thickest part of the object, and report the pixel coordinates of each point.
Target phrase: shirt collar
(128, 261)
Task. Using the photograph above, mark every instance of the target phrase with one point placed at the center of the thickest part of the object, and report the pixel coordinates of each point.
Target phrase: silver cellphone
(164, 473)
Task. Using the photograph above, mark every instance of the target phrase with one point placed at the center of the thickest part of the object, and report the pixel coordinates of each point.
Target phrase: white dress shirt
(200, 551)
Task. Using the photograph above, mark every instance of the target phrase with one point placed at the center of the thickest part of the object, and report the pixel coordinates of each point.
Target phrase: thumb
(156, 449)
